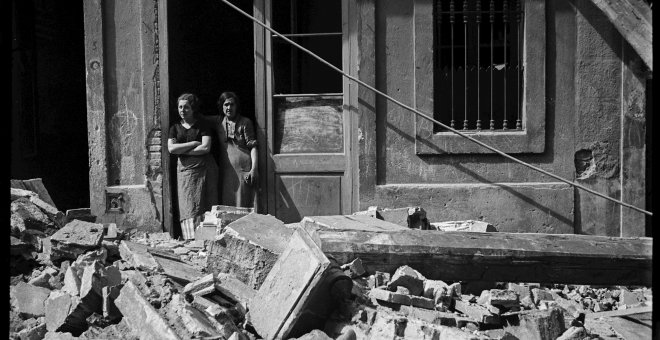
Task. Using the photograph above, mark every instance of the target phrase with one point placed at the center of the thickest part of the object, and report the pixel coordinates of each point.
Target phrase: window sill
(526, 141)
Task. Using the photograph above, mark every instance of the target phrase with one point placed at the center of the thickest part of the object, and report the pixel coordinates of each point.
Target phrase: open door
(307, 109)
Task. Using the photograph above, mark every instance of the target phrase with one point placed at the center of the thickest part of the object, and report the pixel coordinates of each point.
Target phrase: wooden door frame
(264, 105)
(163, 68)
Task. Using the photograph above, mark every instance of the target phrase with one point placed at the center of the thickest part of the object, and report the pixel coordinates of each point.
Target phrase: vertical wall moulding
(96, 110)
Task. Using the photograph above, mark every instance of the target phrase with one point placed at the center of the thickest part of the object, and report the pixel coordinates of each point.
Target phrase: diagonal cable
(426, 116)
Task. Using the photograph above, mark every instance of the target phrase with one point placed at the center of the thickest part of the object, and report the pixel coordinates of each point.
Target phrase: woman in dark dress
(197, 173)
(238, 153)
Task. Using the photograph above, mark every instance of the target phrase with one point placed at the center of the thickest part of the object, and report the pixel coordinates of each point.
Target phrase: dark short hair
(227, 95)
(192, 100)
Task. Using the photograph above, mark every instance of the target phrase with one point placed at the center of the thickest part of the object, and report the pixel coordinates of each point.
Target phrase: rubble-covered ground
(72, 278)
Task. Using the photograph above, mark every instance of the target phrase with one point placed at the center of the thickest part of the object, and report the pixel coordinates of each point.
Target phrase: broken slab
(36, 185)
(177, 270)
(502, 257)
(74, 239)
(142, 318)
(137, 255)
(348, 223)
(248, 248)
(28, 300)
(295, 296)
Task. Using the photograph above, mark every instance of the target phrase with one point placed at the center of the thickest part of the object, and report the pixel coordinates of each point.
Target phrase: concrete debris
(253, 276)
(141, 316)
(74, 239)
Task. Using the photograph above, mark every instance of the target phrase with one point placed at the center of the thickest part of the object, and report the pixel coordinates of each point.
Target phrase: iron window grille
(478, 62)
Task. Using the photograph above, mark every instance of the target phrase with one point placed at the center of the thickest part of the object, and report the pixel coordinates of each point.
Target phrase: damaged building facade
(571, 89)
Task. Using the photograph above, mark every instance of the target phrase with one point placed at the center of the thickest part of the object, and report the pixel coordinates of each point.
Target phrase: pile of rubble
(250, 276)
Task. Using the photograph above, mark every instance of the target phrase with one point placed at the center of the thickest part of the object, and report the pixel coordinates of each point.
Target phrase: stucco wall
(125, 128)
(583, 112)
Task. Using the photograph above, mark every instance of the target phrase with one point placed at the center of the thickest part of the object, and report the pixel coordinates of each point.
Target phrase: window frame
(532, 137)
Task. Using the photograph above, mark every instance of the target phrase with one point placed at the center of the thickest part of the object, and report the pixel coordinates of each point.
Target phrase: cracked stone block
(248, 248)
(75, 239)
(29, 300)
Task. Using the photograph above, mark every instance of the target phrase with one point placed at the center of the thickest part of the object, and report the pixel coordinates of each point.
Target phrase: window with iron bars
(478, 63)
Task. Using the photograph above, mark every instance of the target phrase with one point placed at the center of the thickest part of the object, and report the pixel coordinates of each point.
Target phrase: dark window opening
(316, 25)
(478, 80)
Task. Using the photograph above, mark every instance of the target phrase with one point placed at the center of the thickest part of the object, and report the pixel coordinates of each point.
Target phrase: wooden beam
(514, 257)
(632, 18)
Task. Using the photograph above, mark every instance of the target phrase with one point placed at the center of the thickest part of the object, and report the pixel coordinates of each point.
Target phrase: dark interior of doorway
(49, 112)
(211, 50)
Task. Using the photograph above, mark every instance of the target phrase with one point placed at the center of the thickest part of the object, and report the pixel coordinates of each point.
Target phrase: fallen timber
(506, 257)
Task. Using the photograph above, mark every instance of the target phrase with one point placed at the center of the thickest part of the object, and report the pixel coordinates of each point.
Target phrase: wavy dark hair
(192, 99)
(227, 95)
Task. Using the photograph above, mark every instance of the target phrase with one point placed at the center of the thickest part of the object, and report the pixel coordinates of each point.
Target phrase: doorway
(210, 50)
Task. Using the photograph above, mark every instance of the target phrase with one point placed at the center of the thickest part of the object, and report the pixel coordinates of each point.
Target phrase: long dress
(236, 141)
(197, 179)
